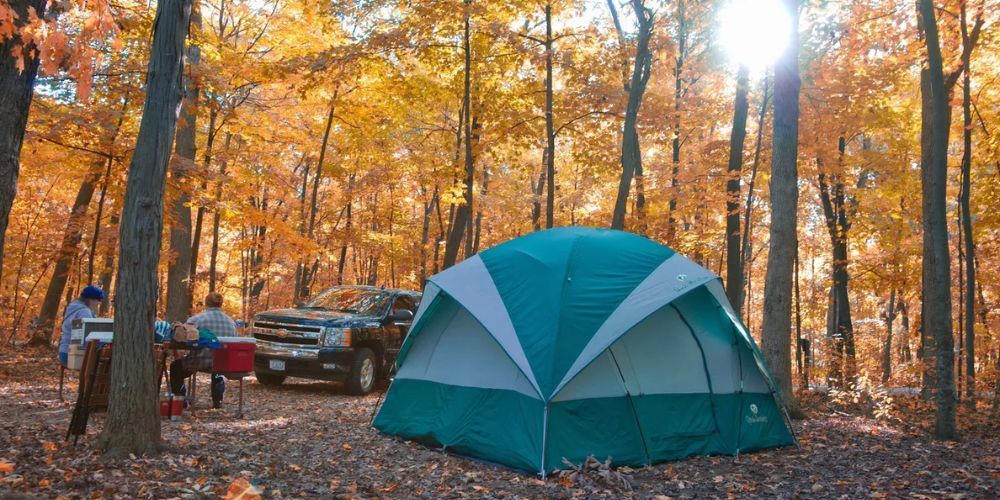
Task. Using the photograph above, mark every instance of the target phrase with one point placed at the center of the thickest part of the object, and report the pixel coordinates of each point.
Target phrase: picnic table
(95, 376)
(171, 346)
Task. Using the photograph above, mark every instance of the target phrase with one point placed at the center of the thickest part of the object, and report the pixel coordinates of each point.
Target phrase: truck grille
(287, 333)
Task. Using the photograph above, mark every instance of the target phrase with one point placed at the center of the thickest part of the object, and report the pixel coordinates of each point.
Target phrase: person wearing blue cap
(85, 306)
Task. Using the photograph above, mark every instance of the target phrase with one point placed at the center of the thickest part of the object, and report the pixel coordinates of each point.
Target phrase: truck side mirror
(399, 316)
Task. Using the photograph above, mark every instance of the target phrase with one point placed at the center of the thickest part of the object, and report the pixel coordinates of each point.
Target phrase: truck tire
(269, 378)
(361, 380)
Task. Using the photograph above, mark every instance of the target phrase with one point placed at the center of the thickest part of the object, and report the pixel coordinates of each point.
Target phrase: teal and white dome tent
(576, 341)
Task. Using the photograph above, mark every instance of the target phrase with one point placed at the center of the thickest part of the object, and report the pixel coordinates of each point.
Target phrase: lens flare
(754, 32)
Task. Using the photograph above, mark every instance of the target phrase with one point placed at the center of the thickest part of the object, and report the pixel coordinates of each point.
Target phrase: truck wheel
(361, 380)
(269, 378)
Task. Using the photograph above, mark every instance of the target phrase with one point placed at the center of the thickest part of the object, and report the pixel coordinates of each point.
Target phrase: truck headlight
(336, 337)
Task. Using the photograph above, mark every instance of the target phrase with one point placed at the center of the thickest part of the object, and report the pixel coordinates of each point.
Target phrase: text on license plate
(276, 364)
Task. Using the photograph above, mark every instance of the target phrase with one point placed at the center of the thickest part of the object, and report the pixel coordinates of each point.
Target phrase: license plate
(276, 364)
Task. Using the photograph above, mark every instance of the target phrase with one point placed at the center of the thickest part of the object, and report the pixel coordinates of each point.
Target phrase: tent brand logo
(682, 282)
(755, 418)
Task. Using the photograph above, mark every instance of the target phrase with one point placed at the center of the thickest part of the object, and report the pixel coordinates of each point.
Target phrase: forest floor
(311, 439)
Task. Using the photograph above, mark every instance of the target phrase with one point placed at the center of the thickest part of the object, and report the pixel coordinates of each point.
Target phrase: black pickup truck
(348, 334)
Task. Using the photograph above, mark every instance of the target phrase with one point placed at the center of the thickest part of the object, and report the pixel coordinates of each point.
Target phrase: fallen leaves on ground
(312, 439)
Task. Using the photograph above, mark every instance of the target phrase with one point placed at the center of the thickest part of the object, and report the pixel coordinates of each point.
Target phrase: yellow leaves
(6, 467)
(347, 447)
(241, 489)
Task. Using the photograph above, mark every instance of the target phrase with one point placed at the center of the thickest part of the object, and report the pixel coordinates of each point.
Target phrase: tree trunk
(17, 86)
(108, 271)
(840, 327)
(347, 232)
(425, 235)
(199, 219)
(213, 259)
(748, 211)
(966, 220)
(890, 317)
(479, 212)
(550, 134)
(536, 189)
(306, 275)
(68, 250)
(936, 261)
(675, 143)
(924, 351)
(801, 347)
(734, 263)
(636, 87)
(776, 326)
(104, 194)
(464, 211)
(179, 291)
(905, 355)
(133, 421)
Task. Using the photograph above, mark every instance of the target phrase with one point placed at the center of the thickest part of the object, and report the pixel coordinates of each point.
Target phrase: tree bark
(936, 261)
(776, 326)
(800, 346)
(133, 421)
(68, 250)
(17, 86)
(890, 317)
(675, 143)
(479, 212)
(966, 220)
(550, 134)
(306, 273)
(179, 291)
(104, 194)
(464, 211)
(347, 232)
(734, 263)
(904, 343)
(213, 259)
(840, 327)
(636, 87)
(199, 219)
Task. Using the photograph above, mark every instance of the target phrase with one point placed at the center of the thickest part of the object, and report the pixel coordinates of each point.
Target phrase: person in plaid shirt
(200, 360)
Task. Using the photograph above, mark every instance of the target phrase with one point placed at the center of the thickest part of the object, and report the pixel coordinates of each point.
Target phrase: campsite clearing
(312, 439)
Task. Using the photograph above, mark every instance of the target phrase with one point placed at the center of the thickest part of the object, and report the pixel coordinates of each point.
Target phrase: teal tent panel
(495, 425)
(761, 424)
(560, 285)
(603, 427)
(675, 426)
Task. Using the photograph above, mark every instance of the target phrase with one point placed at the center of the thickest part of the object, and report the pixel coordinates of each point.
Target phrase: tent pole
(545, 432)
(631, 404)
(704, 365)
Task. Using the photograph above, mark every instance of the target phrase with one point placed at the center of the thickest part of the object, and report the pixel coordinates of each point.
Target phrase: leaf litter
(308, 439)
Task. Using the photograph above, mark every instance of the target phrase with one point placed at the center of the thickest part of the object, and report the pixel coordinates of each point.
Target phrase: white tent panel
(472, 286)
(717, 336)
(600, 379)
(673, 278)
(454, 349)
(659, 356)
(431, 292)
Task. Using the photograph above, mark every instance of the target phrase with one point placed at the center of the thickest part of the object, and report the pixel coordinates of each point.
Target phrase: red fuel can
(171, 407)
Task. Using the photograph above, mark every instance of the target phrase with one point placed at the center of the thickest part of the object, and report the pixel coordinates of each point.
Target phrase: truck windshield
(351, 300)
